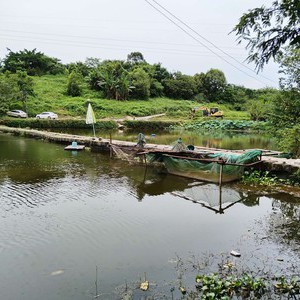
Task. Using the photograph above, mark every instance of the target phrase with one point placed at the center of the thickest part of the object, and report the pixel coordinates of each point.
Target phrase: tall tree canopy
(268, 29)
(135, 58)
(15, 88)
(32, 62)
(290, 69)
(212, 84)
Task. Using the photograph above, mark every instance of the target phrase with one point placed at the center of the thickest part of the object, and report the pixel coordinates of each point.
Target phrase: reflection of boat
(211, 167)
(212, 197)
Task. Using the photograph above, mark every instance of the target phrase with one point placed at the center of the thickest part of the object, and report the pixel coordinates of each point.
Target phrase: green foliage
(213, 85)
(265, 178)
(51, 95)
(156, 88)
(268, 29)
(180, 87)
(259, 109)
(286, 110)
(149, 125)
(74, 88)
(112, 79)
(291, 287)
(41, 123)
(8, 92)
(290, 69)
(160, 73)
(135, 58)
(25, 85)
(140, 81)
(79, 67)
(214, 286)
(289, 139)
(255, 177)
(225, 125)
(31, 62)
(15, 88)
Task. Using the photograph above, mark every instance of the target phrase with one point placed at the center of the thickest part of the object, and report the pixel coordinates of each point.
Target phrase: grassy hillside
(51, 96)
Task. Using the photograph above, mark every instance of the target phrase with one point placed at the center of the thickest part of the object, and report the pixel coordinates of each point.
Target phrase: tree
(31, 62)
(180, 87)
(135, 58)
(290, 68)
(15, 88)
(213, 85)
(25, 85)
(268, 29)
(156, 87)
(8, 92)
(112, 79)
(141, 84)
(79, 67)
(74, 87)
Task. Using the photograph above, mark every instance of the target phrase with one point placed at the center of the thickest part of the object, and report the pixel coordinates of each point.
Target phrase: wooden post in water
(221, 173)
(220, 188)
(110, 144)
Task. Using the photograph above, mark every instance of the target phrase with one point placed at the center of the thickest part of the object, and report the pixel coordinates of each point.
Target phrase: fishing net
(209, 171)
(119, 153)
(178, 146)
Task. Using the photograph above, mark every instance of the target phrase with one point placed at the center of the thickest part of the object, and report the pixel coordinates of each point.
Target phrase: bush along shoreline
(48, 124)
(207, 125)
(80, 124)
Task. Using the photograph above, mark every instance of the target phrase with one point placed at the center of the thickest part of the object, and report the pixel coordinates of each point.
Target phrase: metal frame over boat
(216, 167)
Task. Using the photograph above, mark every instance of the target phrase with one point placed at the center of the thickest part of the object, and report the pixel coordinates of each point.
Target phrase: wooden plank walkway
(270, 163)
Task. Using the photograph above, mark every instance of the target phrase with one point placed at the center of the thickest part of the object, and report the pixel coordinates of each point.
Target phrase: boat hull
(209, 172)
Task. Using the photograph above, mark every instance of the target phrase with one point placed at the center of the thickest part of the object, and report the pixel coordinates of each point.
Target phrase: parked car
(17, 113)
(47, 115)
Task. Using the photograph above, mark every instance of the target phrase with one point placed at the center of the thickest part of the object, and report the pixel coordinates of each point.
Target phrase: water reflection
(284, 222)
(212, 139)
(72, 213)
(33, 165)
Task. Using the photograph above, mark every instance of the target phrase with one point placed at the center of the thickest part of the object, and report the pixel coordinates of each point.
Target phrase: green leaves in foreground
(215, 286)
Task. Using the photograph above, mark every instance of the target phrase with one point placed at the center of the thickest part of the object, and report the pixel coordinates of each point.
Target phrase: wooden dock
(270, 163)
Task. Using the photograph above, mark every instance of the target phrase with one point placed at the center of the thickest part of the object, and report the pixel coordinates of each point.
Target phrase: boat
(218, 167)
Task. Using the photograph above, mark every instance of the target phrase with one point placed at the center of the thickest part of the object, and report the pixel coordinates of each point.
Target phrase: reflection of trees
(251, 200)
(27, 161)
(284, 223)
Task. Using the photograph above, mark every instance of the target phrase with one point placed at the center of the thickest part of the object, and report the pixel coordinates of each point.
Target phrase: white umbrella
(90, 117)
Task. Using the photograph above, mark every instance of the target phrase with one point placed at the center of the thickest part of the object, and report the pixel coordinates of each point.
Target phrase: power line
(189, 34)
(105, 39)
(107, 46)
(201, 36)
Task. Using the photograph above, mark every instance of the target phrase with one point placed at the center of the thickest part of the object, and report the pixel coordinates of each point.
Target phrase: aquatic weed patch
(226, 125)
(215, 286)
(265, 178)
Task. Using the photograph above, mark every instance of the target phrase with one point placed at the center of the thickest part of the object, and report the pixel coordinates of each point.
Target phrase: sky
(73, 30)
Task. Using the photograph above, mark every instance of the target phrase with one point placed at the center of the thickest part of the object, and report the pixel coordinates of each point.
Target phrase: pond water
(211, 139)
(65, 215)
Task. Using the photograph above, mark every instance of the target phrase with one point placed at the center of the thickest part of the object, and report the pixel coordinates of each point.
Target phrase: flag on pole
(90, 117)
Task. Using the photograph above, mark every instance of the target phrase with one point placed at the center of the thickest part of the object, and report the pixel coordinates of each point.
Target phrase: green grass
(51, 95)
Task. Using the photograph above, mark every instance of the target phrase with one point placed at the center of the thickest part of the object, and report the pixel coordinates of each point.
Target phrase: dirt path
(139, 118)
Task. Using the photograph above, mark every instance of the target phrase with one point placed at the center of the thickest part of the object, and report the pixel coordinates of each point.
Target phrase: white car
(17, 113)
(47, 115)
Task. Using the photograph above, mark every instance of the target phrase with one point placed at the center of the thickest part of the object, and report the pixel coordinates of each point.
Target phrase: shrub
(36, 123)
(153, 125)
(74, 88)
